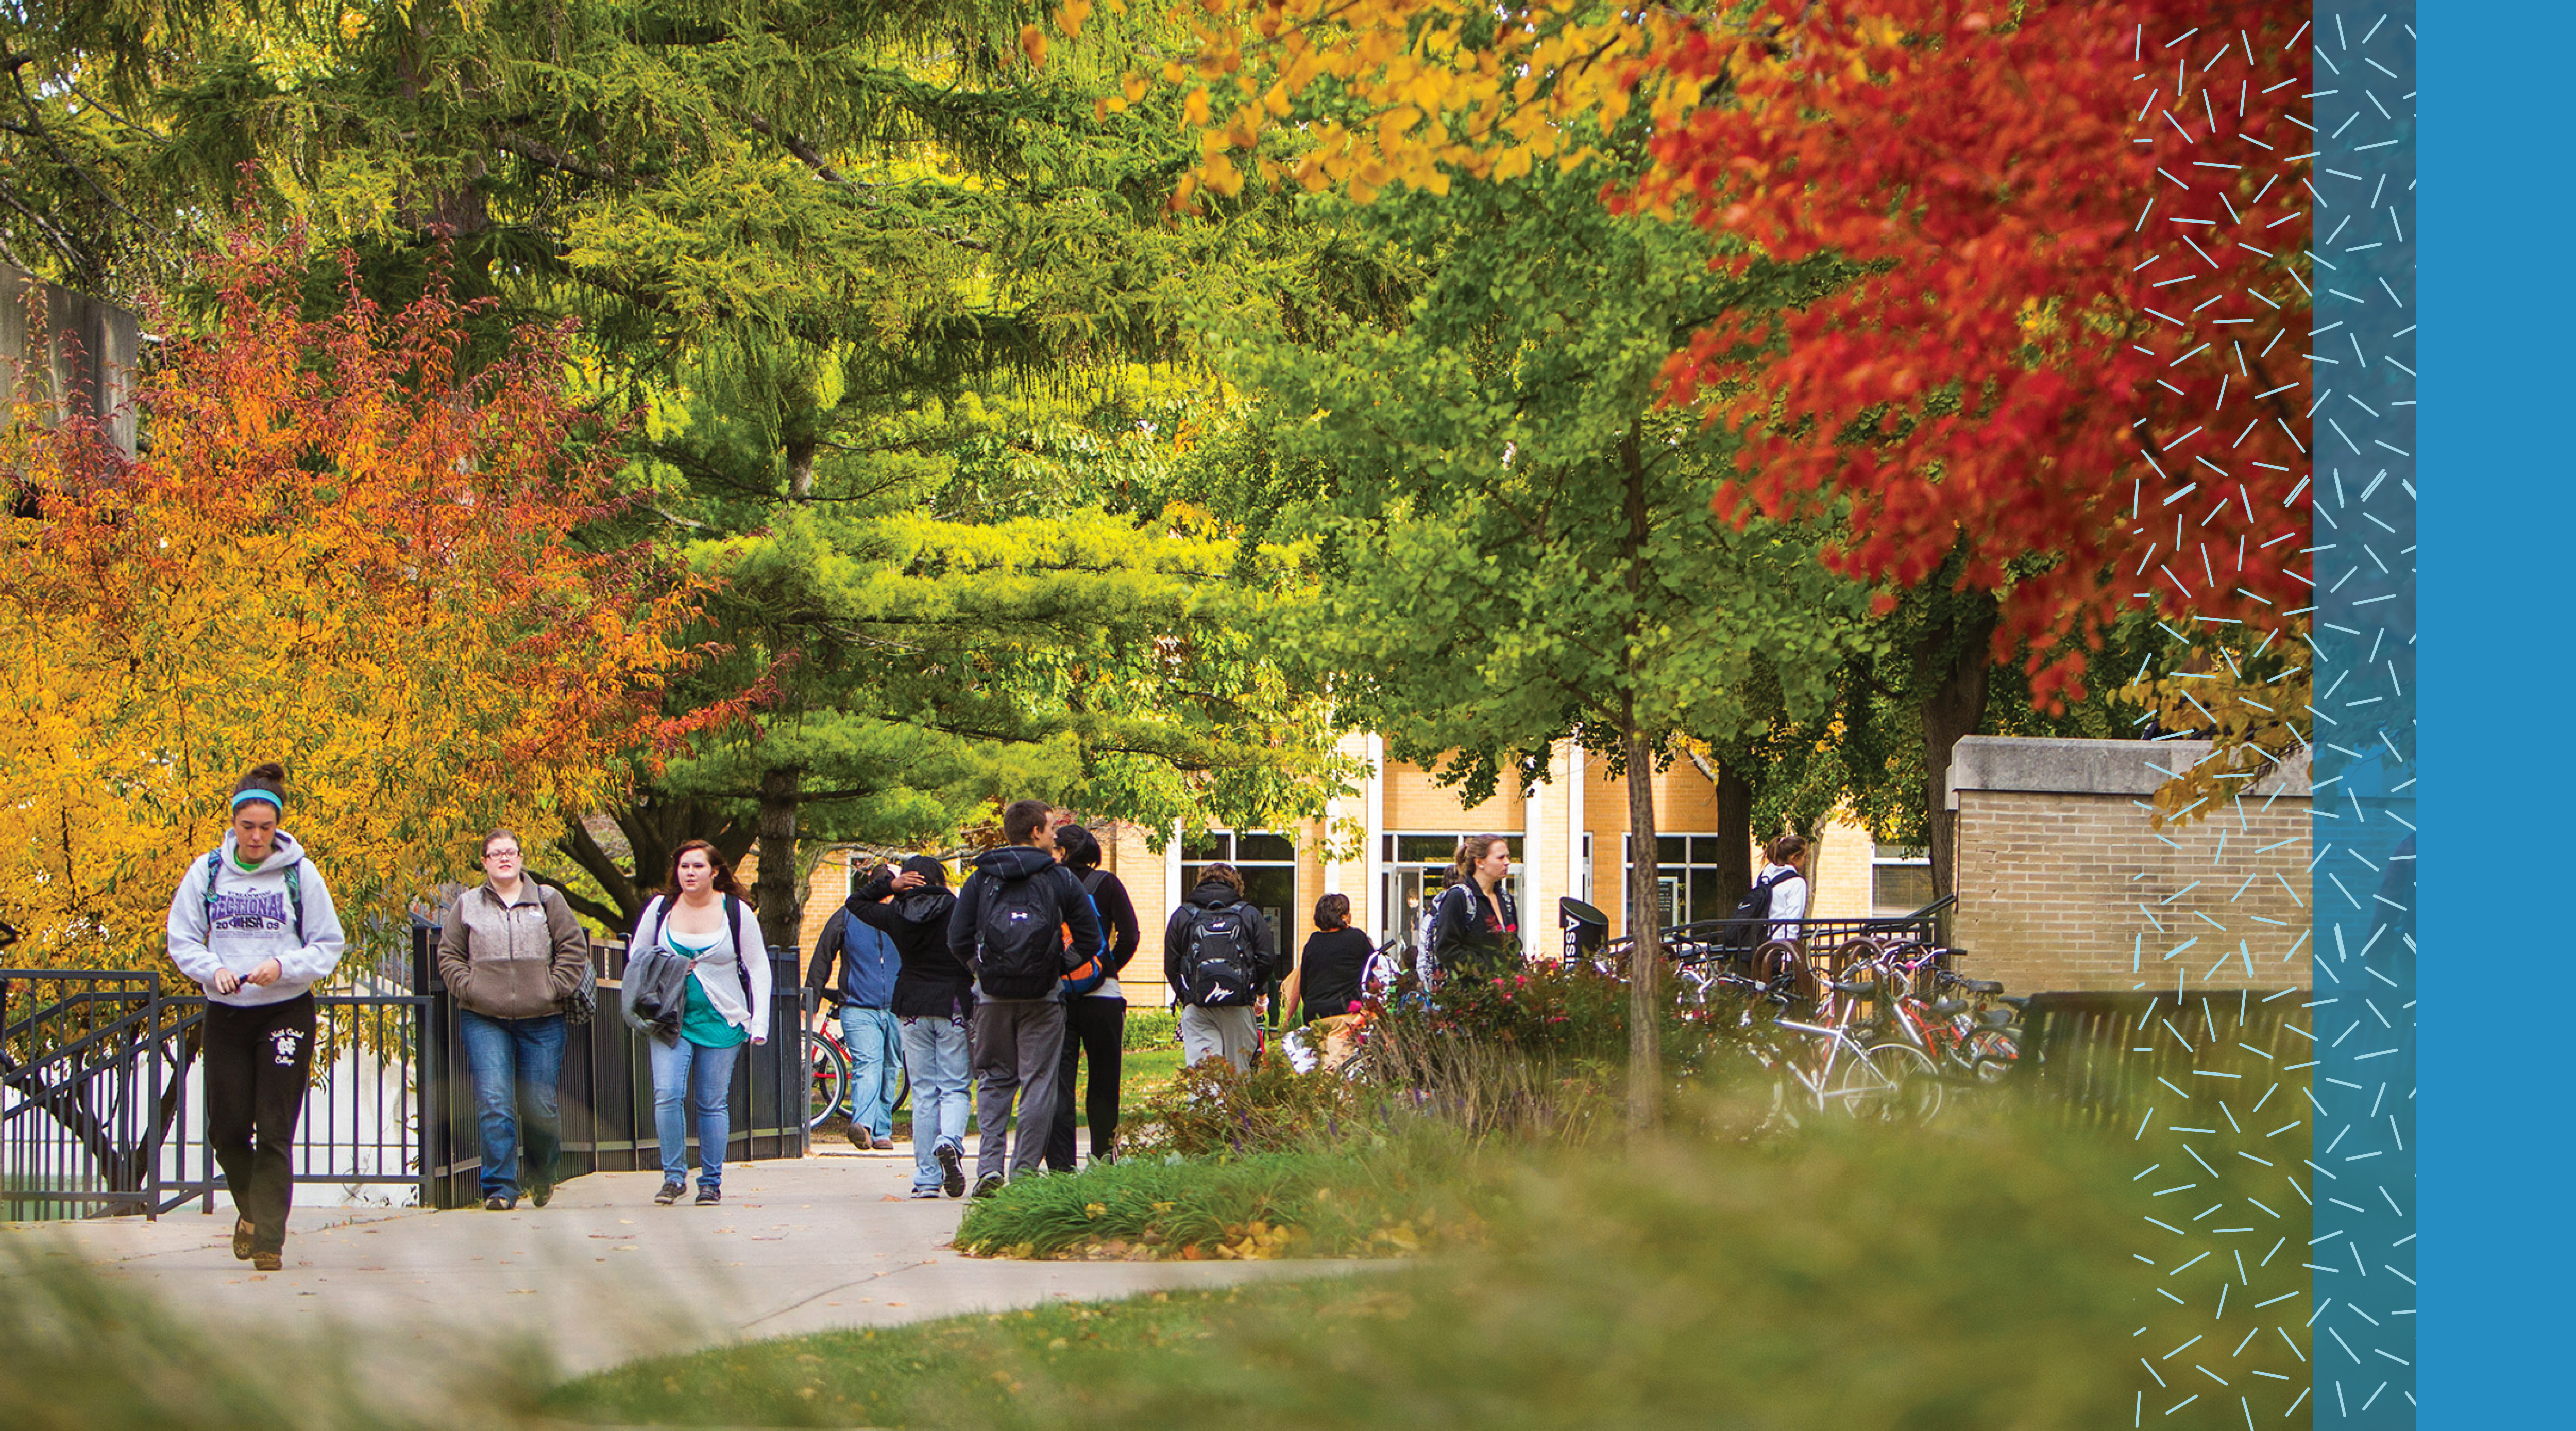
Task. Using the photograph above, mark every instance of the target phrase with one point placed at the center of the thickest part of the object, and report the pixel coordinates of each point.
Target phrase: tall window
(1268, 862)
(1686, 887)
(1900, 879)
(1415, 868)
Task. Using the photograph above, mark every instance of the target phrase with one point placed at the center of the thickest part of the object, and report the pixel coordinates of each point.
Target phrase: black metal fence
(1825, 942)
(82, 1091)
(101, 1111)
(2101, 1058)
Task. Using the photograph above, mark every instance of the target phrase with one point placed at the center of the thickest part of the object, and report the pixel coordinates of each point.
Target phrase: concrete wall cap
(2131, 768)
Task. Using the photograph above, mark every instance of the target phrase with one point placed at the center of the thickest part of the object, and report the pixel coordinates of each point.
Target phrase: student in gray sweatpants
(1022, 920)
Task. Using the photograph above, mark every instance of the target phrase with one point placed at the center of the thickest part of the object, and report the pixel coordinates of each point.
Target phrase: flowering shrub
(1557, 1011)
(1210, 1110)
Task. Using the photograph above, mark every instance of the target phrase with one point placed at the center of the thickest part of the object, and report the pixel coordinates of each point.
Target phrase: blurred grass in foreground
(80, 1353)
(1844, 1276)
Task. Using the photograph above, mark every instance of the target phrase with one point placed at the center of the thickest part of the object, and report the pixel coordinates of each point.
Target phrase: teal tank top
(700, 1024)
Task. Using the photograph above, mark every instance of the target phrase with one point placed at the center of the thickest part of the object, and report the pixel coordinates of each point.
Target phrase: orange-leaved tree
(2080, 361)
(336, 549)
(2070, 380)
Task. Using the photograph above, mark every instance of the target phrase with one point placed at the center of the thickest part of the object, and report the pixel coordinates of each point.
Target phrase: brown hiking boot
(241, 1239)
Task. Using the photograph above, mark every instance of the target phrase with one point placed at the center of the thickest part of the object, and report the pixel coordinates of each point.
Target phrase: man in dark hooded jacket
(932, 997)
(1009, 927)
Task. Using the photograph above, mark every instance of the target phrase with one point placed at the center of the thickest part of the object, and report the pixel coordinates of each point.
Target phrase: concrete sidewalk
(603, 1276)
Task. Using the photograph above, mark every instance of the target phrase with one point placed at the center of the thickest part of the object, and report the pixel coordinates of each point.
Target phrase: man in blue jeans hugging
(869, 1033)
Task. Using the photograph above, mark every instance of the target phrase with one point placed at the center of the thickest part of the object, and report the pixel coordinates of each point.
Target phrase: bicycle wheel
(827, 1078)
(1892, 1083)
(1991, 1055)
(902, 1087)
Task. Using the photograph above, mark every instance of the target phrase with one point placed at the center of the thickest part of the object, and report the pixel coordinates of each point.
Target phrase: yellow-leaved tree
(337, 550)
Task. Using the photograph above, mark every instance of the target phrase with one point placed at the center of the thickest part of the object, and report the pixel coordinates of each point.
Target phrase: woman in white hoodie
(701, 918)
(253, 924)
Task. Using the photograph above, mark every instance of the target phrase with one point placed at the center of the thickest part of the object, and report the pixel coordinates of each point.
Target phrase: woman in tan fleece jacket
(511, 952)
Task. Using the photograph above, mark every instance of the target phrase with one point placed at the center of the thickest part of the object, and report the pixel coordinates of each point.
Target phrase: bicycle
(827, 1064)
(1968, 1043)
(1836, 1068)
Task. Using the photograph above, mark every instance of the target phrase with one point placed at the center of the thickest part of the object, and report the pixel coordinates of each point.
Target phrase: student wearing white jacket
(253, 923)
(702, 919)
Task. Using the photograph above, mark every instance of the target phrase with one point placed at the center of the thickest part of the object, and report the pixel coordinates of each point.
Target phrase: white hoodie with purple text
(252, 919)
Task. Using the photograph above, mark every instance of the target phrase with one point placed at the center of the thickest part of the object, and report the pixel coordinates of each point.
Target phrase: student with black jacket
(1010, 926)
(933, 998)
(1096, 1022)
(1219, 954)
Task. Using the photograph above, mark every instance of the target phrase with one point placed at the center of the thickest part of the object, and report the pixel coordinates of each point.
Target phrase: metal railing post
(429, 1070)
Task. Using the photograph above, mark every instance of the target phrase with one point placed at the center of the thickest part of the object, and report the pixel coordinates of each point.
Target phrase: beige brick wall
(2075, 891)
(1144, 870)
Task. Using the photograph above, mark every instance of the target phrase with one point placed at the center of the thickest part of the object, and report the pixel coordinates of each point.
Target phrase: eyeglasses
(500, 854)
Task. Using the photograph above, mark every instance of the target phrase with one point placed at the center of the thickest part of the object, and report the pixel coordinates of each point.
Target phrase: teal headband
(268, 795)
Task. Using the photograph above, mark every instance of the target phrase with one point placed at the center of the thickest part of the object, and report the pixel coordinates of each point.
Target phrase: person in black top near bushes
(1096, 1022)
(1328, 972)
(933, 997)
(1475, 929)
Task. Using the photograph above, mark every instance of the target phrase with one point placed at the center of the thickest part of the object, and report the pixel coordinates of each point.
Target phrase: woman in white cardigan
(702, 918)
(1786, 875)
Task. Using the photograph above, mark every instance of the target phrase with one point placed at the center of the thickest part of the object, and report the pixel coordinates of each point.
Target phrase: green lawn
(963, 1372)
(1853, 1277)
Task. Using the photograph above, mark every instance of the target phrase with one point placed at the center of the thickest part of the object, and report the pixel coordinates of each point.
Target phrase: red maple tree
(2079, 348)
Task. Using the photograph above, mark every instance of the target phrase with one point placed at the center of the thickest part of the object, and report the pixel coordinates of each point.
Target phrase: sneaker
(542, 1194)
(988, 1185)
(669, 1194)
(267, 1261)
(925, 1192)
(499, 1204)
(952, 1169)
(884, 1144)
(241, 1239)
(707, 1196)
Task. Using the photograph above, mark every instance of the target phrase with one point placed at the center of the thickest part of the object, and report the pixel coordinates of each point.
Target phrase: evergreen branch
(537, 151)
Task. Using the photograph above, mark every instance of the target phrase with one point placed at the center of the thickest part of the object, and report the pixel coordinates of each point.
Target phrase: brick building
(2064, 883)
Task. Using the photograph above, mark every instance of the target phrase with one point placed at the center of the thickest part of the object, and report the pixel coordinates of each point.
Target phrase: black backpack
(1019, 937)
(1753, 913)
(1219, 968)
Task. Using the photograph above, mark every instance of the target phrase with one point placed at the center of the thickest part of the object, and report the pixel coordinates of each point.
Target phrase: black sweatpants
(258, 1062)
(1098, 1027)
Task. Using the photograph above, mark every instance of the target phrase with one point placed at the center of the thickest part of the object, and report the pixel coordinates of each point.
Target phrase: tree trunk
(1646, 956)
(774, 894)
(800, 468)
(1646, 944)
(1734, 837)
(653, 827)
(1953, 706)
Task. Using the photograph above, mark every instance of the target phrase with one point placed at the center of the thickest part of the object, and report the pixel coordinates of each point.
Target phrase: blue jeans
(704, 1078)
(517, 1066)
(934, 1053)
(874, 1043)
